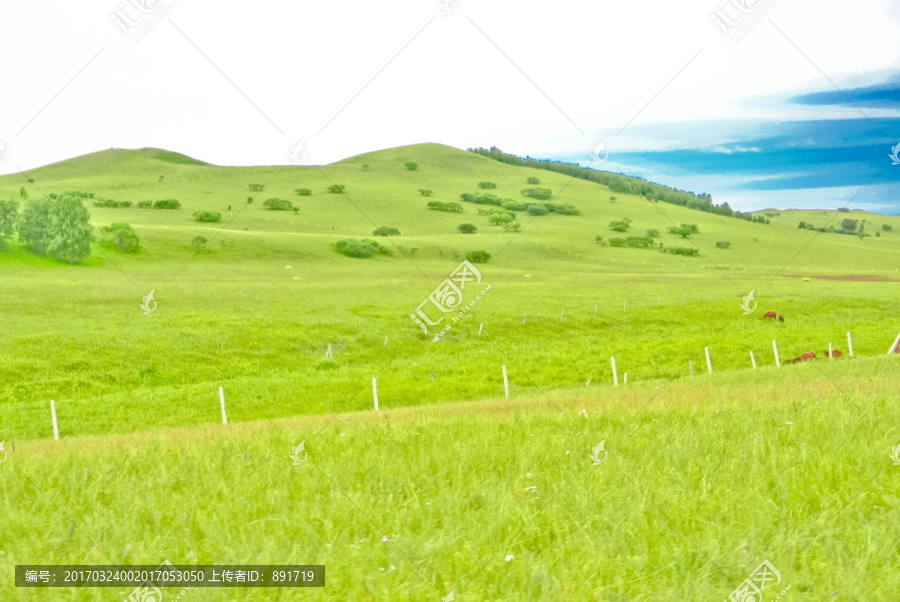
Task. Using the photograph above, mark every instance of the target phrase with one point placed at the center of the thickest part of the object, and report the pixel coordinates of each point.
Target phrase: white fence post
(625, 381)
(775, 349)
(708, 362)
(753, 360)
(375, 393)
(222, 405)
(505, 383)
(830, 352)
(615, 374)
(480, 326)
(850, 344)
(53, 420)
(691, 367)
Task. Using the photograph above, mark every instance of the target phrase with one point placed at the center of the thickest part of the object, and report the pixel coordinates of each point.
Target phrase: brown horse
(770, 314)
(834, 353)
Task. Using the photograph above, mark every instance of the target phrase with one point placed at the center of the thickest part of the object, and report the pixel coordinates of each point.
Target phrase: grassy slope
(701, 485)
(256, 310)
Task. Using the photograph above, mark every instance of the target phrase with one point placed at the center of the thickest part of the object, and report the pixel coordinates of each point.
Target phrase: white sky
(295, 65)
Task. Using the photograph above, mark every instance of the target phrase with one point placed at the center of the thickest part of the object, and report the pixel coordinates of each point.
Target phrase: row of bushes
(111, 204)
(451, 206)
(511, 205)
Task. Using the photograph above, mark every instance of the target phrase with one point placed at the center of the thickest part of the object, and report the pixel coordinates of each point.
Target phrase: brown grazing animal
(770, 314)
(834, 353)
(781, 318)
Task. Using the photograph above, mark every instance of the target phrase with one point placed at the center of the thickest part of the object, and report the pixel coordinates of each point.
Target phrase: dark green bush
(723, 244)
(278, 205)
(167, 204)
(510, 205)
(478, 256)
(533, 181)
(425, 192)
(198, 242)
(451, 206)
(537, 210)
(336, 188)
(499, 217)
(542, 194)
(637, 242)
(467, 228)
(682, 251)
(145, 204)
(411, 166)
(487, 184)
(386, 231)
(303, 191)
(653, 233)
(207, 216)
(621, 225)
(361, 248)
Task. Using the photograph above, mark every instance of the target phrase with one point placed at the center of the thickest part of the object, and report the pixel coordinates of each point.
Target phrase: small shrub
(303, 191)
(442, 206)
(487, 184)
(145, 204)
(256, 187)
(683, 231)
(541, 194)
(688, 252)
(296, 210)
(361, 249)
(167, 204)
(326, 363)
(425, 192)
(637, 242)
(249, 200)
(533, 181)
(411, 166)
(512, 226)
(365, 167)
(510, 205)
(537, 210)
(563, 209)
(599, 240)
(501, 217)
(621, 225)
(277, 205)
(207, 216)
(723, 244)
(198, 242)
(386, 231)
(653, 233)
(336, 188)
(467, 228)
(887, 227)
(478, 256)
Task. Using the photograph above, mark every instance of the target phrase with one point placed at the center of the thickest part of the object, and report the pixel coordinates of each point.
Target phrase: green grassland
(701, 484)
(704, 480)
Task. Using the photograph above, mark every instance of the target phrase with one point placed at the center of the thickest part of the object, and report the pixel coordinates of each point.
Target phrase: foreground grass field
(499, 501)
(451, 487)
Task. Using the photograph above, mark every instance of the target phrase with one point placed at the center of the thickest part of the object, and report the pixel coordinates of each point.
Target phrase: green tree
(424, 192)
(122, 236)
(9, 213)
(411, 166)
(34, 225)
(467, 228)
(198, 242)
(849, 225)
(533, 181)
(621, 225)
(887, 227)
(365, 167)
(682, 231)
(70, 230)
(336, 188)
(256, 187)
(303, 191)
(501, 217)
